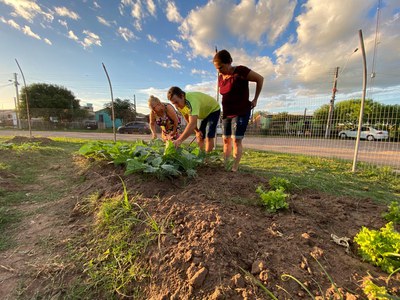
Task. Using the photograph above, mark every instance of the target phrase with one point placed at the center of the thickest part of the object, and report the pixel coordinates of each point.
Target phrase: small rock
(258, 266)
(188, 255)
(217, 295)
(317, 252)
(197, 280)
(191, 270)
(238, 281)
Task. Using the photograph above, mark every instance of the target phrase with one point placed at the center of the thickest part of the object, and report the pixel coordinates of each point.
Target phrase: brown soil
(220, 236)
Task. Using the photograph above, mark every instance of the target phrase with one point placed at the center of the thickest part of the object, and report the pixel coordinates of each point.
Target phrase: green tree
(49, 100)
(123, 109)
(347, 112)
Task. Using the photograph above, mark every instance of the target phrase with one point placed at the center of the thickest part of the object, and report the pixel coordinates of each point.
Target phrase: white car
(367, 133)
(219, 130)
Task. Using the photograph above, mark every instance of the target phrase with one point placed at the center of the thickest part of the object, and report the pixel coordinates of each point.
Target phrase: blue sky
(150, 45)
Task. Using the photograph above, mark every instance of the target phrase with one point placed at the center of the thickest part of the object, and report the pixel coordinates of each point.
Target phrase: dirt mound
(223, 244)
(23, 139)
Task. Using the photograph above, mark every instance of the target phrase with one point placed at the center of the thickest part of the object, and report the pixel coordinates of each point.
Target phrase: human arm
(190, 128)
(172, 114)
(259, 80)
(153, 125)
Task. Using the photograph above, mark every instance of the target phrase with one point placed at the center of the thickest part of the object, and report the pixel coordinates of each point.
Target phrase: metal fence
(306, 127)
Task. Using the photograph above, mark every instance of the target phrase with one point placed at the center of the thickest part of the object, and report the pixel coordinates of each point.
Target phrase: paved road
(380, 153)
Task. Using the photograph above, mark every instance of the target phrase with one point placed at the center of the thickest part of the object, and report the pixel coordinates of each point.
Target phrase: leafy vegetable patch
(154, 157)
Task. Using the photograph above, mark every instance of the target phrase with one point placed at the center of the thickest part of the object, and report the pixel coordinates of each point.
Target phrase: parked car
(367, 133)
(219, 129)
(92, 124)
(137, 126)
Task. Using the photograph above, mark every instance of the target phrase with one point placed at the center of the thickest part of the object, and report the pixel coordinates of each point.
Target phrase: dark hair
(223, 57)
(174, 90)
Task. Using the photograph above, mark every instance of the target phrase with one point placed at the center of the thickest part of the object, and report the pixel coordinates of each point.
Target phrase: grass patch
(8, 219)
(120, 236)
(33, 172)
(331, 176)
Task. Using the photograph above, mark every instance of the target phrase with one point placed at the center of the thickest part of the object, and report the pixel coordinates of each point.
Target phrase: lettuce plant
(381, 248)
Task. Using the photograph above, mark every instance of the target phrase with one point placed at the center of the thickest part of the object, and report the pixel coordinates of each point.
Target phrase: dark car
(91, 124)
(139, 127)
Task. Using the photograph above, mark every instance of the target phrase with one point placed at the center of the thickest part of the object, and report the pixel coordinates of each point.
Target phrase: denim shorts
(235, 127)
(208, 125)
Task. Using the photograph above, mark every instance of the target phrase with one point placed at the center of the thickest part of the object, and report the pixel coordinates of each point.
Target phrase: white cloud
(90, 39)
(218, 22)
(103, 21)
(151, 7)
(126, 34)
(11, 22)
(173, 13)
(176, 46)
(65, 12)
(202, 73)
(27, 9)
(27, 31)
(174, 63)
(96, 5)
(72, 35)
(63, 23)
(259, 21)
(152, 39)
(137, 11)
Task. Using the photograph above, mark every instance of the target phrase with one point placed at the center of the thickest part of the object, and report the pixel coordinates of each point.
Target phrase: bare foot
(235, 167)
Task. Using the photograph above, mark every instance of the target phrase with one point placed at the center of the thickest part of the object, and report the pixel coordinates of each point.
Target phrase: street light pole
(17, 100)
(26, 100)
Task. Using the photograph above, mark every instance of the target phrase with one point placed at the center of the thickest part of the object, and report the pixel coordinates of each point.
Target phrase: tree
(49, 100)
(123, 109)
(347, 113)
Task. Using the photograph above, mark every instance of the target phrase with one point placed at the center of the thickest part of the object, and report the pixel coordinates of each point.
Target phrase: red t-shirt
(235, 92)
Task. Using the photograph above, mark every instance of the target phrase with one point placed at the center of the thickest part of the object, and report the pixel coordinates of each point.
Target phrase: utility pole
(331, 105)
(16, 100)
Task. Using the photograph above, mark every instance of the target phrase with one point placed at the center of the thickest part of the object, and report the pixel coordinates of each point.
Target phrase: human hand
(177, 143)
(253, 104)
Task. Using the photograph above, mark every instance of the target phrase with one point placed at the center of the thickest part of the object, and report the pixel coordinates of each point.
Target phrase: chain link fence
(313, 122)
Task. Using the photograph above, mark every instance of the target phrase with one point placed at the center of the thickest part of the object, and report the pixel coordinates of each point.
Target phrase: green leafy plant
(393, 214)
(154, 157)
(279, 182)
(273, 200)
(373, 291)
(381, 248)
